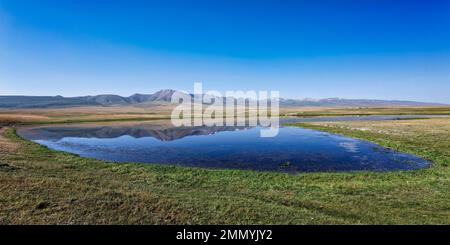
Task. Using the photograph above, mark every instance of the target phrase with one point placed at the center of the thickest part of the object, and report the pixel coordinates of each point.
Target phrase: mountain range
(164, 97)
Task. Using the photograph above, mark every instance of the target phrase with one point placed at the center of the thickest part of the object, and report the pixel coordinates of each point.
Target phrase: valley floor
(42, 186)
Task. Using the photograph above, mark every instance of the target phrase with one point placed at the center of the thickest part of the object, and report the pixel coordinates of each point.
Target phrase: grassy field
(132, 113)
(337, 111)
(42, 186)
(83, 114)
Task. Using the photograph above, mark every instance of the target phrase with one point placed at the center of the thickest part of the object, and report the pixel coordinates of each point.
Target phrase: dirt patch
(7, 145)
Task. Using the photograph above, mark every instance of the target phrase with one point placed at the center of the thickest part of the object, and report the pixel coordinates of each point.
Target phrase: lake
(293, 150)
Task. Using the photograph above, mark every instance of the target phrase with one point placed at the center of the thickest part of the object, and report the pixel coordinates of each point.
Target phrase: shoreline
(77, 190)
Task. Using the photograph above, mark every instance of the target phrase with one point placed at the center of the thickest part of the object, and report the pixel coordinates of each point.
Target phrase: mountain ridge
(164, 96)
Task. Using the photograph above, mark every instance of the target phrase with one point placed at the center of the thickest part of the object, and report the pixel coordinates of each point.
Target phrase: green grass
(42, 186)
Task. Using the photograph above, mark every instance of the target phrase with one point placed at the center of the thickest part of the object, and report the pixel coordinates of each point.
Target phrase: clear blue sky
(353, 49)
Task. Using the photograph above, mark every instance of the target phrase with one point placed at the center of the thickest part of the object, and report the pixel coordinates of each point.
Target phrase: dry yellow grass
(7, 146)
(130, 113)
(404, 128)
(61, 115)
(336, 111)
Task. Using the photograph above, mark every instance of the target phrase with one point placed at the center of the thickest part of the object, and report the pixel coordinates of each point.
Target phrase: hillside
(164, 97)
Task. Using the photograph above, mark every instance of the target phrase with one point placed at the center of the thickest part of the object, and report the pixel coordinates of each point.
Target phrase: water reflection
(163, 133)
(293, 150)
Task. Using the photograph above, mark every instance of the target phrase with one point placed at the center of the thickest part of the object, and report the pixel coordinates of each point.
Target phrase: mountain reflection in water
(293, 150)
(137, 131)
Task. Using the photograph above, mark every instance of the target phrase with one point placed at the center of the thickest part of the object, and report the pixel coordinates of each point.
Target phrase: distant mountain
(339, 102)
(139, 98)
(164, 97)
(42, 102)
(105, 99)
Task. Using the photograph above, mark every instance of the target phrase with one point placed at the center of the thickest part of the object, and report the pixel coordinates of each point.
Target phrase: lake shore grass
(11, 117)
(43, 186)
(364, 111)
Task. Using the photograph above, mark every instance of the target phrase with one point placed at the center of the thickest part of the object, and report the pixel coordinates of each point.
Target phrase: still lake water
(293, 150)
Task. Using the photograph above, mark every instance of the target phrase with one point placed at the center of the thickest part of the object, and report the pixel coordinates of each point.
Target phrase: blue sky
(351, 49)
